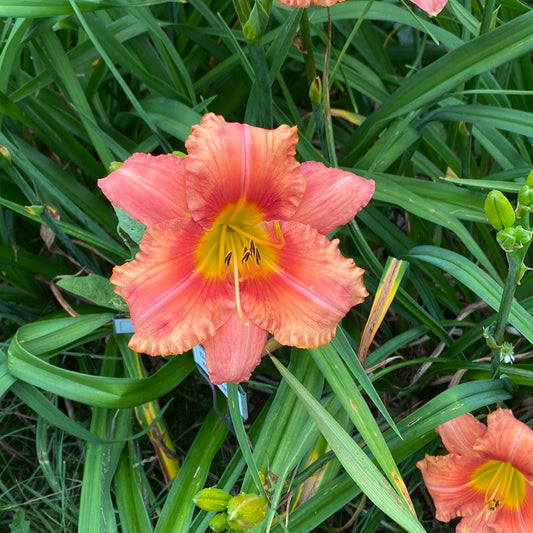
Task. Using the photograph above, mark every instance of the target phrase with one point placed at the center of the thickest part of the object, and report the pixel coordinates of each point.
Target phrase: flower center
(238, 246)
(501, 483)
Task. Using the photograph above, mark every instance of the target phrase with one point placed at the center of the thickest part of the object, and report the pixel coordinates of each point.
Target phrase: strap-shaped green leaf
(477, 280)
(356, 463)
(52, 336)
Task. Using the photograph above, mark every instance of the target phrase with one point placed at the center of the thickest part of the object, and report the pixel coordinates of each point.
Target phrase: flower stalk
(514, 237)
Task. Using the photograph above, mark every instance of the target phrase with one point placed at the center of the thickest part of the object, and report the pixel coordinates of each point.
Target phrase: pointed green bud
(35, 210)
(315, 91)
(512, 238)
(212, 499)
(522, 236)
(529, 179)
(463, 129)
(246, 510)
(256, 24)
(499, 210)
(4, 152)
(507, 240)
(219, 522)
(114, 165)
(525, 196)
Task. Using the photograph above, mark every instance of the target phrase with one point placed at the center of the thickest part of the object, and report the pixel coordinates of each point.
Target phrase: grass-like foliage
(437, 110)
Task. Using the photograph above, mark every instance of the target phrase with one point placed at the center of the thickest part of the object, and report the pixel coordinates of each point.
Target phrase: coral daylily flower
(235, 246)
(431, 7)
(487, 478)
(307, 3)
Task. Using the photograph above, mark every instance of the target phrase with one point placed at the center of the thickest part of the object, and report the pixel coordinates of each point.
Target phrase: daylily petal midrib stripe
(309, 293)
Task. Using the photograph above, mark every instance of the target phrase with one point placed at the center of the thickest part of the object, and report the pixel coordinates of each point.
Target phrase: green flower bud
(529, 179)
(246, 510)
(315, 91)
(4, 152)
(114, 165)
(525, 196)
(212, 499)
(463, 129)
(35, 210)
(512, 238)
(219, 522)
(499, 210)
(256, 24)
(507, 240)
(522, 236)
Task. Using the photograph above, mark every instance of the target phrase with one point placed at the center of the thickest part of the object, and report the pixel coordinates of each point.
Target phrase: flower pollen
(502, 484)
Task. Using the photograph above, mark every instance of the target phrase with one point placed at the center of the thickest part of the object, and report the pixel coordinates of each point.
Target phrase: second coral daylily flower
(431, 7)
(487, 478)
(235, 246)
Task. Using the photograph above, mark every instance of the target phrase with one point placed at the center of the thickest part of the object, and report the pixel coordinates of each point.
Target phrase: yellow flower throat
(501, 483)
(238, 246)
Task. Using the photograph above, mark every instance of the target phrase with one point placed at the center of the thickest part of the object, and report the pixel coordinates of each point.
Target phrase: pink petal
(312, 287)
(447, 479)
(149, 188)
(173, 308)
(508, 439)
(307, 3)
(232, 162)
(234, 351)
(332, 196)
(517, 520)
(504, 519)
(431, 7)
(460, 434)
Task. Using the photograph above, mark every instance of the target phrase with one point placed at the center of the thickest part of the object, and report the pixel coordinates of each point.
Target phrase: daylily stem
(331, 153)
(515, 259)
(307, 47)
(514, 275)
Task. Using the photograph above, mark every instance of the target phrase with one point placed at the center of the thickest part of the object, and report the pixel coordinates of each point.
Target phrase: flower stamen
(237, 291)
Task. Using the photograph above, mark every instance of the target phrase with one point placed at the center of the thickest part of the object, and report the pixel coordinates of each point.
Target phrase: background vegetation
(436, 110)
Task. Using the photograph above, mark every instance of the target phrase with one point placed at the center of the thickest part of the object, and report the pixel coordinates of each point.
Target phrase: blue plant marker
(199, 358)
(123, 326)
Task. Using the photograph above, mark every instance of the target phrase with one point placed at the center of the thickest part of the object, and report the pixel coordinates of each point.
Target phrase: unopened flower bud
(35, 210)
(512, 238)
(212, 499)
(499, 210)
(463, 129)
(256, 24)
(529, 179)
(315, 91)
(522, 236)
(525, 196)
(219, 522)
(246, 510)
(506, 239)
(114, 165)
(4, 152)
